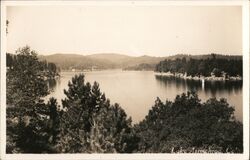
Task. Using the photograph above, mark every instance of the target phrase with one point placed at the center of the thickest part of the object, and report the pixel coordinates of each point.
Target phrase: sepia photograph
(124, 79)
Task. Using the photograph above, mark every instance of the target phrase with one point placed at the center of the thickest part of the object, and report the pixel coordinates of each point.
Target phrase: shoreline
(201, 78)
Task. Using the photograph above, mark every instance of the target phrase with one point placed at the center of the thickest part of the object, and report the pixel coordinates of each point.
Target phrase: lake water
(136, 91)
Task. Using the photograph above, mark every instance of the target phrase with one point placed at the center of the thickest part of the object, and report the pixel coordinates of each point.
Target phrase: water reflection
(51, 84)
(136, 91)
(210, 87)
(223, 86)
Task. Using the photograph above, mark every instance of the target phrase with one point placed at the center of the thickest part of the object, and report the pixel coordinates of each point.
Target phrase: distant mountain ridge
(114, 61)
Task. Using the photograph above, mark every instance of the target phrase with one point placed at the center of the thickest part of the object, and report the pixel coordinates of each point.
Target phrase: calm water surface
(136, 91)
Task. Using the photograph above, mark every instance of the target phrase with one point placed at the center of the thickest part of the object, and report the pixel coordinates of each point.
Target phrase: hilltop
(113, 60)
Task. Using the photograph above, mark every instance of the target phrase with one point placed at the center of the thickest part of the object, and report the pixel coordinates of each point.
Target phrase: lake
(136, 91)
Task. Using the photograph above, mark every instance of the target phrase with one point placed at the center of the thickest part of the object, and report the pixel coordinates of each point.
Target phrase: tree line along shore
(88, 123)
(202, 69)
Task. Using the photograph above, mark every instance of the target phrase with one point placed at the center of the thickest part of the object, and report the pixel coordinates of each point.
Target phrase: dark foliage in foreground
(50, 70)
(91, 124)
(88, 123)
(31, 123)
(188, 124)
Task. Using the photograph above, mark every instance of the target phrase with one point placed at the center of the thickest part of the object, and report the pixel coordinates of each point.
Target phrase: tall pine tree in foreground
(90, 123)
(28, 117)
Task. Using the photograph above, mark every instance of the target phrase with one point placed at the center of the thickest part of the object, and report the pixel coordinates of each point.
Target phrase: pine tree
(28, 118)
(112, 131)
(25, 81)
(54, 120)
(186, 123)
(90, 123)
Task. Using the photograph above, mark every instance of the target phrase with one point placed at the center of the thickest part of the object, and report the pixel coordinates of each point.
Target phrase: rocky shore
(200, 78)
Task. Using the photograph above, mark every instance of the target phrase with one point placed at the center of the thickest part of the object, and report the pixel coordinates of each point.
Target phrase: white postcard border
(245, 36)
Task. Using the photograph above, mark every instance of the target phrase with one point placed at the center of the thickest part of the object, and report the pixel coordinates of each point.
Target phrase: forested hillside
(214, 64)
(114, 61)
(141, 67)
(98, 61)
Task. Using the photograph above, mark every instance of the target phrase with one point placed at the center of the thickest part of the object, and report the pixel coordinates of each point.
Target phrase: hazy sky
(132, 30)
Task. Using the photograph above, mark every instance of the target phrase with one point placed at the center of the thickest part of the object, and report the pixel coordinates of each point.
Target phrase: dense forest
(50, 69)
(187, 124)
(88, 123)
(202, 67)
